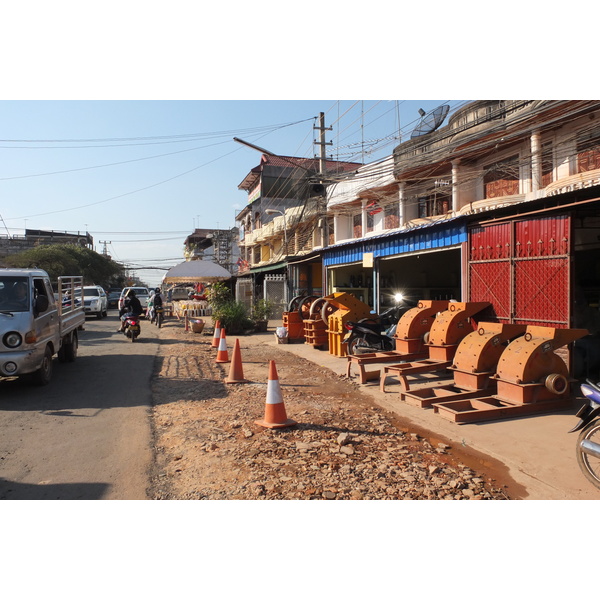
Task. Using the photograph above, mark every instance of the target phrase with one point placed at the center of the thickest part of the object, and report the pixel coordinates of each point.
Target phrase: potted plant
(261, 311)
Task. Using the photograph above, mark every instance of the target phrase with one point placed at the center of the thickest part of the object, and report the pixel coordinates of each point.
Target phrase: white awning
(196, 271)
(370, 177)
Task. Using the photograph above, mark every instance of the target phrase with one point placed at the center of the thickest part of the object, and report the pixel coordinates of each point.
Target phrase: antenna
(430, 121)
(5, 227)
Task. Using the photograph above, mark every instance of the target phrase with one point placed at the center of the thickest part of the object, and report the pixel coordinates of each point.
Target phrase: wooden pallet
(491, 408)
(361, 360)
(402, 370)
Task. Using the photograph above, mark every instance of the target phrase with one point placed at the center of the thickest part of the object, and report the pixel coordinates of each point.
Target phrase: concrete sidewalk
(537, 450)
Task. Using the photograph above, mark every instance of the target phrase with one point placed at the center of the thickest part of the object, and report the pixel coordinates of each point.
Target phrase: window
(438, 203)
(588, 151)
(392, 216)
(502, 178)
(357, 226)
(547, 164)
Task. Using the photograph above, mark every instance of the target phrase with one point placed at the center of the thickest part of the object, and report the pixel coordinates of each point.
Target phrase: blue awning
(425, 237)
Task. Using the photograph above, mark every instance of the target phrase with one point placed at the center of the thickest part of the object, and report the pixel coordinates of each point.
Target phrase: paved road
(87, 434)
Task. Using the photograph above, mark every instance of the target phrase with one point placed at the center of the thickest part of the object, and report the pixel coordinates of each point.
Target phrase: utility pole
(322, 158)
(322, 155)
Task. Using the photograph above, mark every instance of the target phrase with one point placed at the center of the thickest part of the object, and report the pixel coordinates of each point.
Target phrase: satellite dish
(430, 121)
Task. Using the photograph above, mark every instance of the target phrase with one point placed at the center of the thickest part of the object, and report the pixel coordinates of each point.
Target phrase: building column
(336, 227)
(401, 207)
(456, 185)
(363, 216)
(536, 161)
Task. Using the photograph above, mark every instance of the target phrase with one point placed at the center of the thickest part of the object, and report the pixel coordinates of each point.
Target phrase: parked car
(142, 294)
(113, 299)
(180, 293)
(95, 301)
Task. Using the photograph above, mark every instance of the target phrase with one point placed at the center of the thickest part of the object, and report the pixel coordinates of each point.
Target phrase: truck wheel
(70, 349)
(99, 315)
(44, 374)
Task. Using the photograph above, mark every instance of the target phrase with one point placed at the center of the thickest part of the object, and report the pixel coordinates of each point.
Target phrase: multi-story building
(38, 237)
(502, 204)
(215, 245)
(285, 216)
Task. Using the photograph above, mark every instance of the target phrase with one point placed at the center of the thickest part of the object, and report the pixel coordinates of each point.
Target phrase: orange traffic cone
(236, 371)
(222, 355)
(275, 415)
(216, 335)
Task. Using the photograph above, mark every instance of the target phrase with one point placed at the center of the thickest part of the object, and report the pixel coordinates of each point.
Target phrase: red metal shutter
(527, 281)
(490, 268)
(542, 271)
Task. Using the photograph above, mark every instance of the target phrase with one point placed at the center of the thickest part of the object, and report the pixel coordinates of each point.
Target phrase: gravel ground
(208, 446)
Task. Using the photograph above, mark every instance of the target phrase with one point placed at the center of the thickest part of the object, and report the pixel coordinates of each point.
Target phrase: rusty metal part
(478, 354)
(377, 358)
(410, 368)
(448, 329)
(531, 378)
(474, 364)
(491, 408)
(410, 334)
(415, 323)
(452, 325)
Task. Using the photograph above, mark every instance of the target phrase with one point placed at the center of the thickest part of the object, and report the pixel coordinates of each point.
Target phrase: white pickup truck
(35, 325)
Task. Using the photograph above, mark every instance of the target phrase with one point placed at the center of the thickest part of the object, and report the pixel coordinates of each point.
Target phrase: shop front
(423, 263)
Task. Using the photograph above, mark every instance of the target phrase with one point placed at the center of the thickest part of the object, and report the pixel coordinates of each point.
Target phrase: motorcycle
(133, 327)
(158, 316)
(588, 442)
(375, 335)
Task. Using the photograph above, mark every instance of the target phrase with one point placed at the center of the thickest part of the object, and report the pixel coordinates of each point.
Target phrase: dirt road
(208, 445)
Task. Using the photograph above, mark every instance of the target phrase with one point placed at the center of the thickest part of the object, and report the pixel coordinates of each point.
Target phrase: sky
(139, 176)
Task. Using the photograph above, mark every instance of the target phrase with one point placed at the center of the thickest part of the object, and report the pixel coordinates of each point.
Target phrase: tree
(69, 259)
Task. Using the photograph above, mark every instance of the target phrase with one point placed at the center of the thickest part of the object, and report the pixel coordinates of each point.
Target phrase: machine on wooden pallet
(531, 378)
(315, 326)
(447, 331)
(474, 366)
(411, 335)
(293, 318)
(348, 308)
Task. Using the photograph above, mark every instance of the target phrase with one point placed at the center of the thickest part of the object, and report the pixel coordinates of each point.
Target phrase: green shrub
(218, 295)
(262, 309)
(233, 316)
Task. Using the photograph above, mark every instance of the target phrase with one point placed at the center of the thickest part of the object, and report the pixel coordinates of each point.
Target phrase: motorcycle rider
(132, 307)
(155, 302)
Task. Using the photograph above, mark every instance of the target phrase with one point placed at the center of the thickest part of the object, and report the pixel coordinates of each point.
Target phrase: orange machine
(349, 308)
(411, 334)
(474, 365)
(447, 331)
(531, 378)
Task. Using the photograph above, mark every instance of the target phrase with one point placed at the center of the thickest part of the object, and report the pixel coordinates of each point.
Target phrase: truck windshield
(14, 294)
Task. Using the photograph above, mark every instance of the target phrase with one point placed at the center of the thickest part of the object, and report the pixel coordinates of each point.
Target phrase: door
(524, 269)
